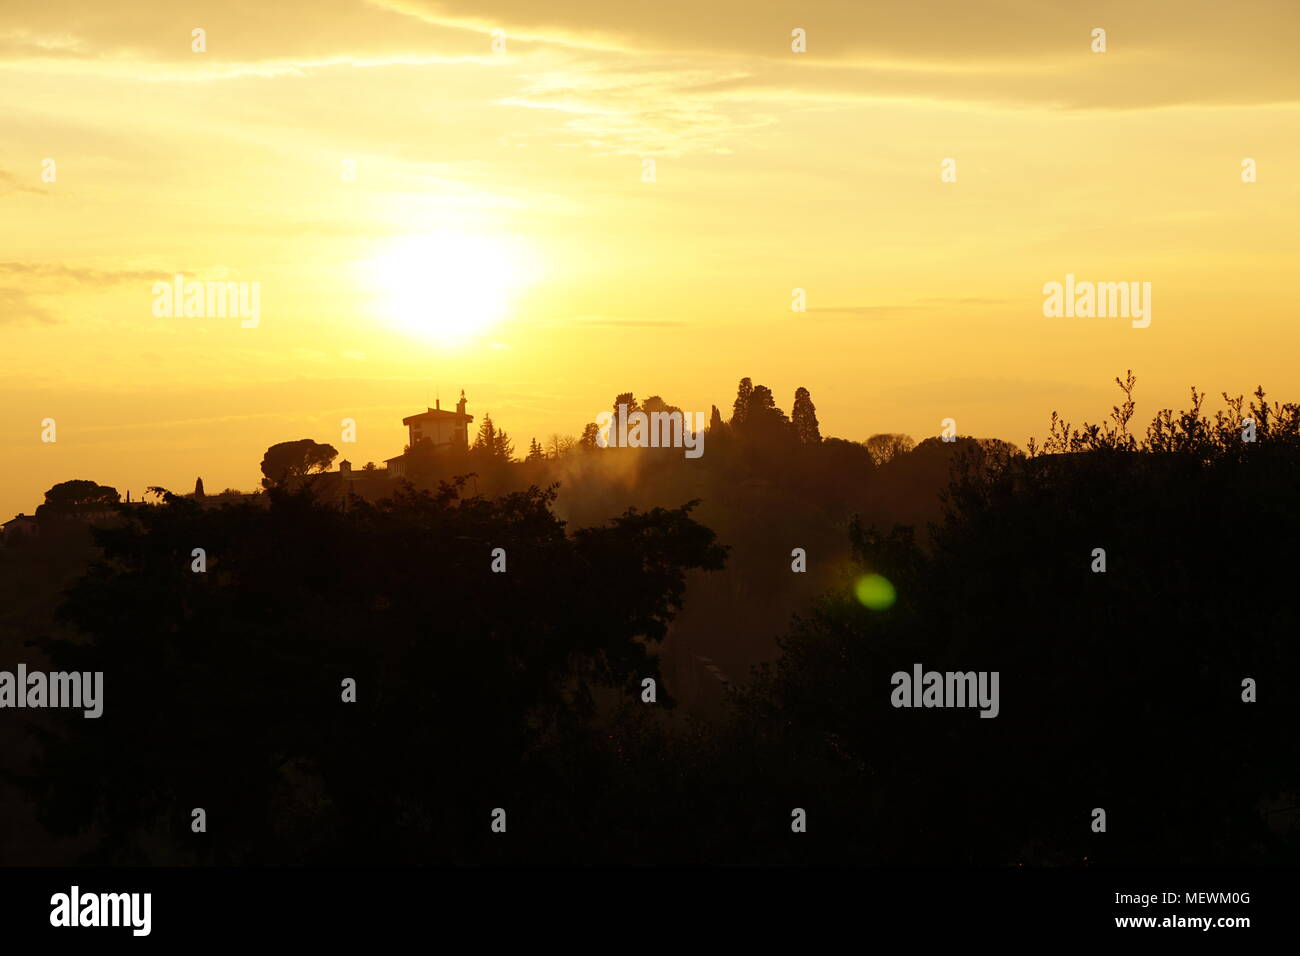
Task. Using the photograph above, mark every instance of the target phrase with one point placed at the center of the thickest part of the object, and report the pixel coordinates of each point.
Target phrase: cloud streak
(1015, 53)
(9, 183)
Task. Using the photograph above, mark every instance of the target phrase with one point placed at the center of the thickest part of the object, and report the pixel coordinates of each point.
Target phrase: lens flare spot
(875, 592)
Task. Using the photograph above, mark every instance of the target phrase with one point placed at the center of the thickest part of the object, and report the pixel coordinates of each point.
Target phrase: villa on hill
(430, 434)
(433, 431)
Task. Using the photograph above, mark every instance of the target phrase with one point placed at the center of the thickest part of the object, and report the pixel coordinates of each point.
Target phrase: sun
(449, 288)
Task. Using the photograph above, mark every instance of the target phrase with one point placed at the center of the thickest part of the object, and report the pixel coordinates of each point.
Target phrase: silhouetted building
(433, 431)
(20, 526)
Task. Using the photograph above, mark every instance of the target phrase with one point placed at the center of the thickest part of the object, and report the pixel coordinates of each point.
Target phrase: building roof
(435, 414)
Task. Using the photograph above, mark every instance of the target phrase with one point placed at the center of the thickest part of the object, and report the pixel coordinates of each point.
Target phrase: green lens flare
(875, 592)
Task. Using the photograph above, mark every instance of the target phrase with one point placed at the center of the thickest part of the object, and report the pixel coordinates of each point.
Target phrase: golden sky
(498, 234)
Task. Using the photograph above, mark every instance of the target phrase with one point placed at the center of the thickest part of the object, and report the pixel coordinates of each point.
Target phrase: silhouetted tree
(77, 498)
(1158, 643)
(492, 442)
(715, 420)
(477, 689)
(535, 452)
(741, 406)
(485, 442)
(804, 417)
(628, 399)
(198, 488)
(505, 448)
(557, 446)
(655, 404)
(466, 680)
(293, 459)
(763, 421)
(887, 446)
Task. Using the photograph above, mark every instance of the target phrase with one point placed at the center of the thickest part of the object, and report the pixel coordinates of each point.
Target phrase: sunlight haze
(425, 212)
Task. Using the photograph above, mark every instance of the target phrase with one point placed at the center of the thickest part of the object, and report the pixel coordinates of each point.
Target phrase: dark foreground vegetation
(524, 690)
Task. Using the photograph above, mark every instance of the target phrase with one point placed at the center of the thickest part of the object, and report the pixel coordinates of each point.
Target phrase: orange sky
(498, 234)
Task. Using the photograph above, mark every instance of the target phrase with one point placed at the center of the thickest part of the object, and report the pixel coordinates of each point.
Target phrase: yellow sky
(774, 170)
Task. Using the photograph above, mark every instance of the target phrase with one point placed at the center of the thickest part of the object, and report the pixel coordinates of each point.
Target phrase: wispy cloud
(597, 322)
(60, 274)
(864, 311)
(1017, 52)
(17, 306)
(53, 278)
(1022, 53)
(9, 183)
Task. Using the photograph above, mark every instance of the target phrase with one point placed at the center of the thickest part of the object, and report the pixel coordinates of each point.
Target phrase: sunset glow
(406, 185)
(448, 289)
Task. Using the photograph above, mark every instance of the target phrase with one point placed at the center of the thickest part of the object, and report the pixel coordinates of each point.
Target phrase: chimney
(437, 404)
(460, 406)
